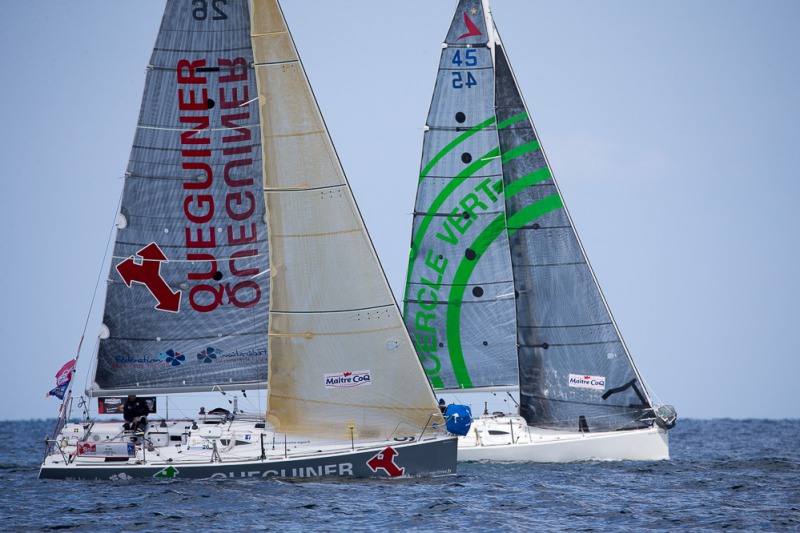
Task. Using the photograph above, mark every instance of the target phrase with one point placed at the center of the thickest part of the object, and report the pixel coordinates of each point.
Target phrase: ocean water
(724, 474)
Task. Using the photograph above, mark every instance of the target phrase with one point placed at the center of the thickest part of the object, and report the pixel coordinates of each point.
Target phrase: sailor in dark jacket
(135, 412)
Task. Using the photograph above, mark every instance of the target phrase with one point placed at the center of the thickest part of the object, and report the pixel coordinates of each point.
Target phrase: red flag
(65, 374)
(63, 378)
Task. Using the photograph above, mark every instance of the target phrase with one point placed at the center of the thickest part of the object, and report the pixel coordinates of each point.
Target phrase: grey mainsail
(458, 197)
(188, 291)
(499, 290)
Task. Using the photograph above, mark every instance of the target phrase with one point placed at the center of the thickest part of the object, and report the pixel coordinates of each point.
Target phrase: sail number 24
(469, 60)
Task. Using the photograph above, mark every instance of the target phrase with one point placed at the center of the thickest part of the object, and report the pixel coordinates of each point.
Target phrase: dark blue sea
(724, 474)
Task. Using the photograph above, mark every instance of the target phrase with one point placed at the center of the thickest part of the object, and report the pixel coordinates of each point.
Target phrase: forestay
(499, 290)
(188, 292)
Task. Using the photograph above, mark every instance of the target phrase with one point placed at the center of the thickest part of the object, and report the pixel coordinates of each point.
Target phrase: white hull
(509, 438)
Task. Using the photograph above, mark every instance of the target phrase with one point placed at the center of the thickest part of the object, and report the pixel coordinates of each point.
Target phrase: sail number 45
(470, 59)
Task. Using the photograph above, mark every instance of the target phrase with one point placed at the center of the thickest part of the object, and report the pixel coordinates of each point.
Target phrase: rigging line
(91, 304)
(102, 265)
(86, 379)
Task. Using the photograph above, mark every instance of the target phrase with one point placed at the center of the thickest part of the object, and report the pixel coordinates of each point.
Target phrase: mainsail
(499, 291)
(188, 292)
(341, 363)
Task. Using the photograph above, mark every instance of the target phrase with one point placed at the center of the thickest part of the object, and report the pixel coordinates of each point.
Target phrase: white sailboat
(238, 252)
(500, 295)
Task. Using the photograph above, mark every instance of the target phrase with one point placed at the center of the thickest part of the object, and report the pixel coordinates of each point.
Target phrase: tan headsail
(341, 362)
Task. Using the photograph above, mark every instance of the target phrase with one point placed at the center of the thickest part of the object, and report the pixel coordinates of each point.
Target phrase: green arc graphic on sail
(466, 267)
(484, 240)
(459, 178)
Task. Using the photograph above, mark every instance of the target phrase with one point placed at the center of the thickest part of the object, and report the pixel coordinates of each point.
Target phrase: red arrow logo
(148, 272)
(385, 460)
(472, 29)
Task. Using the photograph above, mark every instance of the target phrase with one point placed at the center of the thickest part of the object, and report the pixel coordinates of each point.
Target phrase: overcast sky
(672, 129)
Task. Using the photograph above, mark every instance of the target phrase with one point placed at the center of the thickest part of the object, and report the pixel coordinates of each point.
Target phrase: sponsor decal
(147, 271)
(219, 203)
(348, 379)
(145, 360)
(84, 448)
(114, 405)
(385, 461)
(253, 352)
(207, 356)
(175, 358)
(583, 381)
(106, 449)
(169, 471)
(472, 29)
(109, 405)
(339, 469)
(171, 357)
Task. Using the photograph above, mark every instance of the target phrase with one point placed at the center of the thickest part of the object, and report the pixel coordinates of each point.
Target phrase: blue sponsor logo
(171, 357)
(207, 356)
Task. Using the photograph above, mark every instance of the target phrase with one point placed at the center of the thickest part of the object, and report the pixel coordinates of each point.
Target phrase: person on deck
(135, 412)
(442, 405)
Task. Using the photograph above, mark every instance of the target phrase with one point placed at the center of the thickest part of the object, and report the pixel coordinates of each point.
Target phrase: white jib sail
(341, 363)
